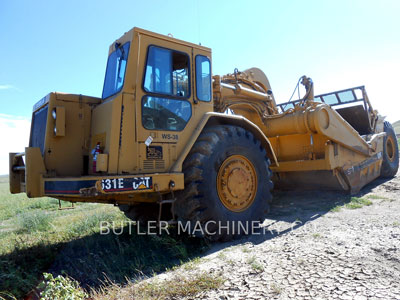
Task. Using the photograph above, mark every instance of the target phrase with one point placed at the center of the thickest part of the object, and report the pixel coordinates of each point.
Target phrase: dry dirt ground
(311, 249)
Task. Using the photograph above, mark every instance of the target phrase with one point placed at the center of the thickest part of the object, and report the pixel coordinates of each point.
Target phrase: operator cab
(157, 88)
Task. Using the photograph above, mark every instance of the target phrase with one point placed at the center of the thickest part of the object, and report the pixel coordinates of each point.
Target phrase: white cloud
(380, 82)
(6, 87)
(14, 135)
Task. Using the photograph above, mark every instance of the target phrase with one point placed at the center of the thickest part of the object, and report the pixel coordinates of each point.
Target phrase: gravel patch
(310, 250)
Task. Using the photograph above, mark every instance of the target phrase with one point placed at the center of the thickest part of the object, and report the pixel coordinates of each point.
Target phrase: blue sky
(62, 46)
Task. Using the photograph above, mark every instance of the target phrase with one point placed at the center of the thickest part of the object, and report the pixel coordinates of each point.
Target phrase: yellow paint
(308, 138)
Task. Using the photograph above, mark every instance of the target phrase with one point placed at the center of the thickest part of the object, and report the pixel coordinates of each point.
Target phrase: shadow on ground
(95, 259)
(298, 208)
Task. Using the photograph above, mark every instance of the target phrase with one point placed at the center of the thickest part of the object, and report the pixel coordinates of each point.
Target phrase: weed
(33, 221)
(252, 261)
(336, 208)
(43, 203)
(245, 249)
(6, 296)
(356, 202)
(166, 289)
(191, 264)
(377, 197)
(396, 224)
(173, 245)
(374, 197)
(90, 223)
(257, 266)
(221, 255)
(317, 235)
(276, 289)
(62, 288)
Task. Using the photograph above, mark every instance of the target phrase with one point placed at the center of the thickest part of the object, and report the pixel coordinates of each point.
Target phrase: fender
(214, 118)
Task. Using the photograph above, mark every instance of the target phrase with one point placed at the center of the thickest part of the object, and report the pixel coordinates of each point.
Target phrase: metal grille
(160, 164)
(148, 164)
(38, 128)
(153, 164)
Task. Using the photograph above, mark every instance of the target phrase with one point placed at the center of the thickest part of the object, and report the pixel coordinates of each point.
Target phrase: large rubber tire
(390, 155)
(200, 203)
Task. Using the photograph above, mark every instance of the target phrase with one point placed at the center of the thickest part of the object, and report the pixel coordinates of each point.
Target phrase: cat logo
(141, 187)
(142, 183)
(154, 152)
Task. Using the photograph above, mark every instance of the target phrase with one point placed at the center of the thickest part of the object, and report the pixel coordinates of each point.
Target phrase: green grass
(33, 221)
(375, 197)
(192, 264)
(336, 208)
(356, 202)
(222, 256)
(276, 289)
(36, 237)
(60, 287)
(245, 249)
(378, 197)
(176, 287)
(255, 264)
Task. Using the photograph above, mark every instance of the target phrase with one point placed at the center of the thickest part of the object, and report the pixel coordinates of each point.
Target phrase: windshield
(115, 72)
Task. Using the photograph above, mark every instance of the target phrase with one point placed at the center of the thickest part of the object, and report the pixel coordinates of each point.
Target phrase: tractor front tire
(227, 184)
(390, 155)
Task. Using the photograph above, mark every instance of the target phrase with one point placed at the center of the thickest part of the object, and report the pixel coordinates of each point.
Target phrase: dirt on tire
(200, 202)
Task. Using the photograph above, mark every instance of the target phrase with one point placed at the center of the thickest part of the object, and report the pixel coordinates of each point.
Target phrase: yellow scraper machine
(169, 140)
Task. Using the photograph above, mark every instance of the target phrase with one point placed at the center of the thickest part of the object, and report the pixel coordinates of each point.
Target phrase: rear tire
(227, 181)
(390, 155)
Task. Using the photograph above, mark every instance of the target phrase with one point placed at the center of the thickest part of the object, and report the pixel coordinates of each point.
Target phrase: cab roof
(128, 36)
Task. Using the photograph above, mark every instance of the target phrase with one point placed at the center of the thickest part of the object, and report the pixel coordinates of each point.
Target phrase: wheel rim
(390, 149)
(237, 183)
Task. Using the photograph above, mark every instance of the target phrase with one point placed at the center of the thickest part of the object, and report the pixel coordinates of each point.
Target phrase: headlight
(58, 114)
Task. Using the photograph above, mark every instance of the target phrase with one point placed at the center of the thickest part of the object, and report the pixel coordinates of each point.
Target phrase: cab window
(203, 78)
(167, 72)
(115, 71)
(165, 114)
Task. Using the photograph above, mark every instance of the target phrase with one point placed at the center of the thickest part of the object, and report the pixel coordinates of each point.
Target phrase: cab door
(164, 101)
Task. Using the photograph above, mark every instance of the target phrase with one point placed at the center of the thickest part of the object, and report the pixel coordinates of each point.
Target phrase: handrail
(19, 168)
